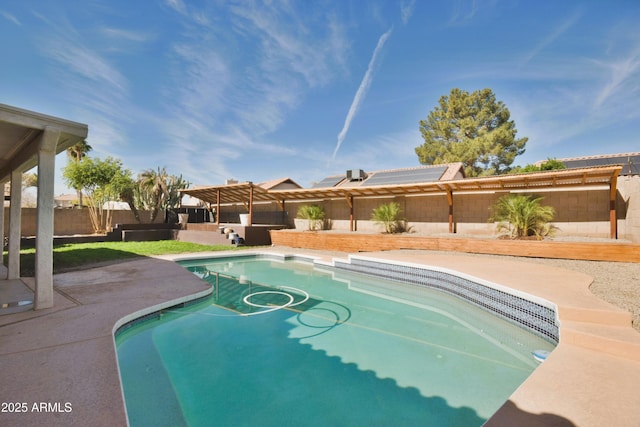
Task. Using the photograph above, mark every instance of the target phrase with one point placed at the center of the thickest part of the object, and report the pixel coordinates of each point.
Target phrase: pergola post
(15, 225)
(351, 215)
(450, 203)
(218, 207)
(44, 220)
(613, 217)
(250, 203)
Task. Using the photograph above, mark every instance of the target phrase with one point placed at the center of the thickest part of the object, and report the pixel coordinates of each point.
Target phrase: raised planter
(363, 242)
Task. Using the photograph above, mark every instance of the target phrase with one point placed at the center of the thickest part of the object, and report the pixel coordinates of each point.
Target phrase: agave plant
(388, 215)
(523, 216)
(314, 214)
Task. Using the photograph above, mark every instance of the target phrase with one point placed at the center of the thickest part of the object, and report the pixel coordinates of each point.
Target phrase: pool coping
(67, 353)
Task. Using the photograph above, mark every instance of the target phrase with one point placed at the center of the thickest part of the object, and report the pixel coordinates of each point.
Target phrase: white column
(15, 226)
(2, 219)
(44, 221)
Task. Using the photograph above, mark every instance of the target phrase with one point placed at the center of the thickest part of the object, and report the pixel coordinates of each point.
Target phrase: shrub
(314, 214)
(523, 216)
(388, 215)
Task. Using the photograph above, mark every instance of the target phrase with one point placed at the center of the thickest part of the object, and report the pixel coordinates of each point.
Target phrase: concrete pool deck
(61, 362)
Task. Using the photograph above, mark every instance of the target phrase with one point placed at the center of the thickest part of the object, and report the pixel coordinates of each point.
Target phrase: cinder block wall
(578, 213)
(68, 222)
(629, 217)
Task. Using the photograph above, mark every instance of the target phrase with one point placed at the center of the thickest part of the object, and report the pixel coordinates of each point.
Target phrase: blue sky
(304, 89)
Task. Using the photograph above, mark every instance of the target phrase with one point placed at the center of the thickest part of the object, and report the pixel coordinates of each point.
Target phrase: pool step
(610, 317)
(620, 341)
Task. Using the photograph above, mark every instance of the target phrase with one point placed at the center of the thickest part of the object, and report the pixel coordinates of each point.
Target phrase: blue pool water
(286, 343)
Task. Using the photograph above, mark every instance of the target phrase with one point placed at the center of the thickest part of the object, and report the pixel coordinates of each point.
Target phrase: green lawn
(78, 255)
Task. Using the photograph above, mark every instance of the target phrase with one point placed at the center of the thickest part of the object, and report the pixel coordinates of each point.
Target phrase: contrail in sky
(362, 92)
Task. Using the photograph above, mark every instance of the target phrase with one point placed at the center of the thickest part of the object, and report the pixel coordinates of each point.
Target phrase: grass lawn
(78, 255)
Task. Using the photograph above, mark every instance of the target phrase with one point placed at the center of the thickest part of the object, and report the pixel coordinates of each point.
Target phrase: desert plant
(388, 215)
(523, 216)
(314, 214)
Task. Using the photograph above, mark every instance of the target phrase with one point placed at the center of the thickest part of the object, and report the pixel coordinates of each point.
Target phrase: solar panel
(631, 163)
(407, 176)
(329, 181)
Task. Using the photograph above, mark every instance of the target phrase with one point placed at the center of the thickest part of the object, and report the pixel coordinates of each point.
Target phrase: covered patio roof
(29, 139)
(20, 132)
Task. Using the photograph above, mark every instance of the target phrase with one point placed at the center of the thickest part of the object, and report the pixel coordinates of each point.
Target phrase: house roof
(412, 175)
(630, 162)
(268, 185)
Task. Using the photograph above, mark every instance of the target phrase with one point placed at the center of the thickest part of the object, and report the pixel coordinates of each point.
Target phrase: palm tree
(314, 214)
(154, 184)
(76, 153)
(523, 216)
(388, 215)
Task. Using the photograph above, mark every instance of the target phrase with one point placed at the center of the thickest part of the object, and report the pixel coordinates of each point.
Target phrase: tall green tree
(76, 153)
(472, 128)
(104, 181)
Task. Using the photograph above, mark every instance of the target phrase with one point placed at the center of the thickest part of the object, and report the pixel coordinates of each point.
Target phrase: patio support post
(44, 220)
(2, 220)
(613, 217)
(15, 225)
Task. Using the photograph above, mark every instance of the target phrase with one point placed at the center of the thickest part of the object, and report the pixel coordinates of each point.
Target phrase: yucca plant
(314, 214)
(388, 215)
(523, 216)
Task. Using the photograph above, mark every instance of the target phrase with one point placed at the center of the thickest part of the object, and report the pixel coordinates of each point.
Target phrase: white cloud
(361, 93)
(9, 17)
(127, 35)
(406, 10)
(551, 37)
(623, 77)
(177, 5)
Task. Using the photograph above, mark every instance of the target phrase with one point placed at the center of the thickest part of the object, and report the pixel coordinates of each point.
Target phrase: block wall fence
(67, 222)
(579, 212)
(583, 213)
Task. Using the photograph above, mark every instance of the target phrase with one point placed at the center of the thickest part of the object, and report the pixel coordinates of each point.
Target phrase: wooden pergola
(247, 193)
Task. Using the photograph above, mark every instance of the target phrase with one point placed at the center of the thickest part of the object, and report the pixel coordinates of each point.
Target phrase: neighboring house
(65, 201)
(630, 162)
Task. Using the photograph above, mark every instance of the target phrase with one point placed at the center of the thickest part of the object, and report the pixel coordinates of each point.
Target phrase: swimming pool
(296, 342)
